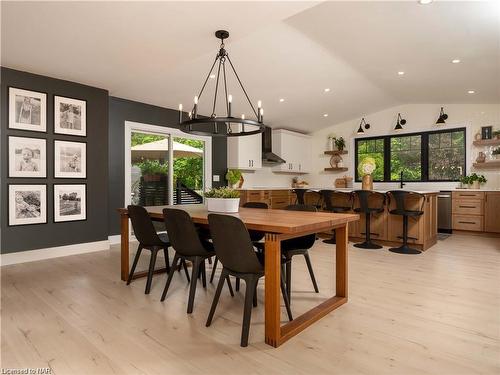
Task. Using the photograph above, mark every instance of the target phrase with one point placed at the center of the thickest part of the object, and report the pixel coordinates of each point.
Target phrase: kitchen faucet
(401, 183)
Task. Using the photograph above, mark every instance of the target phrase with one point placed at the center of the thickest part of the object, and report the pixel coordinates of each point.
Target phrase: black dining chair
(148, 239)
(235, 251)
(400, 198)
(369, 203)
(188, 245)
(298, 246)
(338, 202)
(300, 195)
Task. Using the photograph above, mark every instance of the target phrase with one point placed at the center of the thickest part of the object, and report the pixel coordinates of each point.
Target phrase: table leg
(124, 246)
(272, 289)
(341, 261)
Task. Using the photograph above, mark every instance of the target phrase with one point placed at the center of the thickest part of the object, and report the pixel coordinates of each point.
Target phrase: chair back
(300, 193)
(304, 242)
(232, 244)
(337, 200)
(256, 205)
(182, 232)
(400, 199)
(312, 198)
(143, 227)
(365, 205)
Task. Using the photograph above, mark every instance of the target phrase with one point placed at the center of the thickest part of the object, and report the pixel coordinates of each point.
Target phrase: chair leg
(185, 270)
(215, 301)
(229, 285)
(285, 298)
(237, 284)
(288, 278)
(136, 259)
(203, 272)
(255, 296)
(213, 270)
(167, 260)
(152, 263)
(192, 286)
(311, 272)
(251, 283)
(170, 275)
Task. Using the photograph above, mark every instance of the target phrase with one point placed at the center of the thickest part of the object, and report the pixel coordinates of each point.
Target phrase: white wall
(420, 117)
(266, 178)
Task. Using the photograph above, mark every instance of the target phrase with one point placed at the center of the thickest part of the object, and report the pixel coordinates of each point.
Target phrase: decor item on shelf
(476, 180)
(481, 157)
(477, 137)
(495, 154)
(363, 125)
(152, 170)
(336, 161)
(399, 123)
(495, 134)
(340, 183)
(215, 125)
(486, 132)
(442, 117)
(340, 143)
(348, 181)
(296, 183)
(223, 199)
(331, 143)
(365, 169)
(27, 110)
(234, 176)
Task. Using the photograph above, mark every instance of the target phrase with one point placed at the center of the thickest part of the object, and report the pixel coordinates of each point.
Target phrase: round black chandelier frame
(221, 126)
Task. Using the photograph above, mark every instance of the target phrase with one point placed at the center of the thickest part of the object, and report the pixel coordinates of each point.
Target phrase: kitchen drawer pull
(467, 222)
(467, 195)
(467, 206)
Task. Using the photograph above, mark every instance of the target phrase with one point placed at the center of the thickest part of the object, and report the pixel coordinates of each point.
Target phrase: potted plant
(496, 134)
(465, 182)
(152, 170)
(340, 143)
(223, 199)
(496, 153)
(234, 176)
(365, 169)
(476, 180)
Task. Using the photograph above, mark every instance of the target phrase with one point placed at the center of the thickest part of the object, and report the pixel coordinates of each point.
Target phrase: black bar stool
(313, 198)
(368, 209)
(300, 193)
(401, 199)
(338, 202)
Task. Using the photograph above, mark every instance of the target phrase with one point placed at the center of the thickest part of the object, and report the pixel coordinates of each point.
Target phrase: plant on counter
(340, 143)
(474, 180)
(233, 176)
(222, 192)
(496, 134)
(465, 180)
(366, 166)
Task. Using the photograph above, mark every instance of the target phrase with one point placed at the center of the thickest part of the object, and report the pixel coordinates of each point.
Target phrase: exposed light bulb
(230, 98)
(196, 99)
(243, 116)
(259, 104)
(180, 107)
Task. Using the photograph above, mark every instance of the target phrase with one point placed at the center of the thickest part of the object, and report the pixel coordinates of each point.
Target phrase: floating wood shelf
(487, 164)
(338, 169)
(337, 152)
(487, 142)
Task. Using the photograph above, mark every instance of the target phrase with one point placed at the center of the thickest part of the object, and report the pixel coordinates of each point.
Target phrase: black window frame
(424, 155)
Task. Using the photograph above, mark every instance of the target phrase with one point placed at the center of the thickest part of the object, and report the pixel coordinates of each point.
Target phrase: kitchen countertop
(497, 190)
(340, 189)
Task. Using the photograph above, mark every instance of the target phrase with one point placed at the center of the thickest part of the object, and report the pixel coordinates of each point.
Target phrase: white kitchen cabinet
(244, 152)
(295, 149)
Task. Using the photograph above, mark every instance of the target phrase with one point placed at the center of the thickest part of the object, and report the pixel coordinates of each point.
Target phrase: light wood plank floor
(437, 313)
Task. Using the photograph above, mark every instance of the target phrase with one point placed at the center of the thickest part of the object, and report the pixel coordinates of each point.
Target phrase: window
(427, 156)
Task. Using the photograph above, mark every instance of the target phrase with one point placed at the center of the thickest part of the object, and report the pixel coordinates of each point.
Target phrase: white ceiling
(159, 53)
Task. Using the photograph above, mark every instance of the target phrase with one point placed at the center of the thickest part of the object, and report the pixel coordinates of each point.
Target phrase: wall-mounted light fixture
(399, 124)
(363, 125)
(442, 117)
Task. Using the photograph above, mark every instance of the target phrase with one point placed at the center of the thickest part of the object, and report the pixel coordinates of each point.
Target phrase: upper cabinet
(295, 149)
(244, 152)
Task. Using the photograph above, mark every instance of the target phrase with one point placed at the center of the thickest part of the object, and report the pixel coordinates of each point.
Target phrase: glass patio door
(188, 168)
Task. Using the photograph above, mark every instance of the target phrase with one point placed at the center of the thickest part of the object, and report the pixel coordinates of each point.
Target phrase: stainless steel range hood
(268, 156)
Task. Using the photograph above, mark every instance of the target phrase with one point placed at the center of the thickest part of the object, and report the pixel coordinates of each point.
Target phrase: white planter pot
(223, 204)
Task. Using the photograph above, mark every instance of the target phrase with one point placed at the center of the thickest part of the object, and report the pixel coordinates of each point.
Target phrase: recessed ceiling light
(455, 61)
(471, 92)
(401, 73)
(327, 90)
(325, 115)
(425, 2)
(282, 100)
(212, 76)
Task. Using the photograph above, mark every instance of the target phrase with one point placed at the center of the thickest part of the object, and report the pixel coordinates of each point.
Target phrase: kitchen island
(386, 229)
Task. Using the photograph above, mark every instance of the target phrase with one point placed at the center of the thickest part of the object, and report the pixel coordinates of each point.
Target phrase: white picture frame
(27, 157)
(70, 159)
(27, 110)
(70, 116)
(27, 204)
(70, 202)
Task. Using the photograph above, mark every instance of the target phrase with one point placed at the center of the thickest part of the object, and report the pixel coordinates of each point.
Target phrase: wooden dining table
(278, 225)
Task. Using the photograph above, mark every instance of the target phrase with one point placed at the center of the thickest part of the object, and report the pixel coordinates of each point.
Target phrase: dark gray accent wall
(95, 228)
(121, 110)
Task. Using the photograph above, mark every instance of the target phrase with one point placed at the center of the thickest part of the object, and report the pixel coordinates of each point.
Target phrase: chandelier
(225, 125)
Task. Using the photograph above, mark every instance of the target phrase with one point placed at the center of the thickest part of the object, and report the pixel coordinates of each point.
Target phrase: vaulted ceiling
(160, 52)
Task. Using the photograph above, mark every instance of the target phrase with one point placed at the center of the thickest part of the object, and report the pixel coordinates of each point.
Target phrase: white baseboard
(53, 252)
(114, 240)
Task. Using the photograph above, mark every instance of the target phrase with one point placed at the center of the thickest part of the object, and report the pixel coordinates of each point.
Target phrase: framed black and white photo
(70, 202)
(27, 157)
(27, 110)
(27, 204)
(70, 116)
(70, 159)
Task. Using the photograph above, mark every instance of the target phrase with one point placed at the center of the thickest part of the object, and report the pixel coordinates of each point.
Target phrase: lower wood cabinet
(492, 212)
(468, 222)
(476, 211)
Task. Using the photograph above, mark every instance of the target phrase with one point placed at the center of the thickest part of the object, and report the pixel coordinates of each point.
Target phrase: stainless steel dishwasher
(444, 211)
